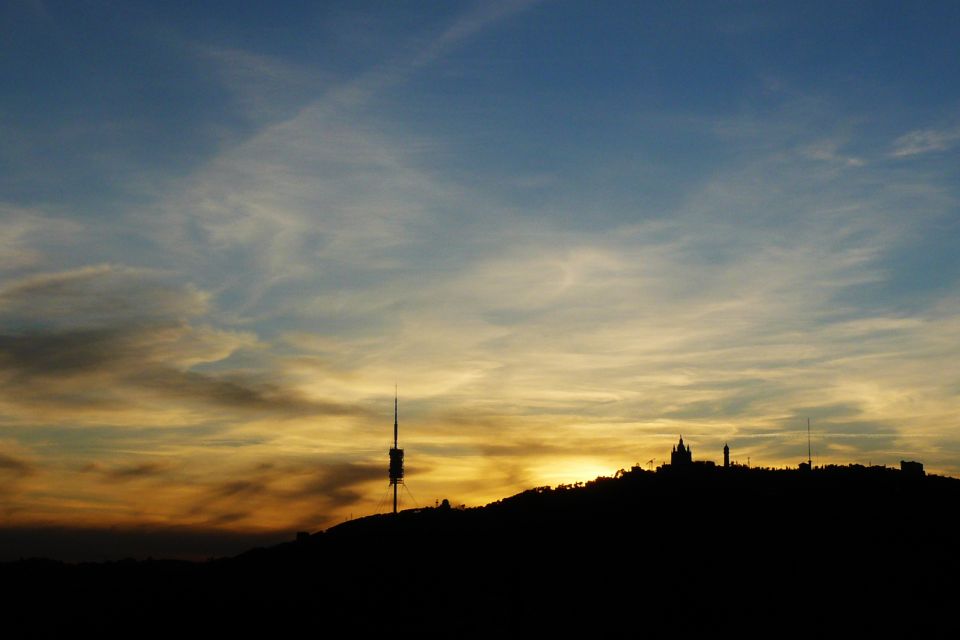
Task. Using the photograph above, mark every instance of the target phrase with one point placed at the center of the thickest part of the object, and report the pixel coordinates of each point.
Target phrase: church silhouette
(681, 455)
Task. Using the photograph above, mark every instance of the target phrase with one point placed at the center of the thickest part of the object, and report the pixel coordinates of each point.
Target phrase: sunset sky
(569, 232)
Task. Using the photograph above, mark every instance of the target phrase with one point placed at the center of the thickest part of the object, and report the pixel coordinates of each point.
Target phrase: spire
(396, 454)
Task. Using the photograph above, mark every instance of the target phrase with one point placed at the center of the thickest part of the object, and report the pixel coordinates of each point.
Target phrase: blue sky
(568, 231)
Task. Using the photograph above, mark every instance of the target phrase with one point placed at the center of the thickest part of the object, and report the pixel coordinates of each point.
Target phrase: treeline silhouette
(834, 551)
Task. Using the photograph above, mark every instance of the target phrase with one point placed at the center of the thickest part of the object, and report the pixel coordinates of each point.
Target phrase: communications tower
(396, 457)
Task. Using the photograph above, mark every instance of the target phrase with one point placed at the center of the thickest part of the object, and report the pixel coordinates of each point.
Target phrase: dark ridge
(837, 550)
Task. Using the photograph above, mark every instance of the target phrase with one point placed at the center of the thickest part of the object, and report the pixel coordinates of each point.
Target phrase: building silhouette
(681, 459)
(911, 468)
(681, 455)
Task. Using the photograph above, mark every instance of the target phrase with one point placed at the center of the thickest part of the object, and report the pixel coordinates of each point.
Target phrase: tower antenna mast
(396, 454)
(809, 457)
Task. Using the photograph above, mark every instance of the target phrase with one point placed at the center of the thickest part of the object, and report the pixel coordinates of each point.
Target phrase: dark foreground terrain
(840, 551)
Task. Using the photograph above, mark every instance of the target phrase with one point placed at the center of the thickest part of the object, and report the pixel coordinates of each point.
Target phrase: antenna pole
(809, 458)
(396, 454)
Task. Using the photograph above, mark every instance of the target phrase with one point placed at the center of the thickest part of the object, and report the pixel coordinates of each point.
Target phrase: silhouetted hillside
(703, 549)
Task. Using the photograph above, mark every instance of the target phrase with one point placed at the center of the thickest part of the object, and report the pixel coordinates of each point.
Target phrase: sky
(567, 232)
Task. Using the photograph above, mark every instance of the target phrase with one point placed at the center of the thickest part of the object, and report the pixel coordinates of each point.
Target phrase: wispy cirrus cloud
(28, 234)
(829, 151)
(316, 492)
(425, 51)
(15, 466)
(264, 88)
(921, 141)
(109, 341)
(131, 471)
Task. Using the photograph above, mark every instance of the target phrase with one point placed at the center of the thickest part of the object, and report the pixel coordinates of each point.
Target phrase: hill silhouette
(841, 550)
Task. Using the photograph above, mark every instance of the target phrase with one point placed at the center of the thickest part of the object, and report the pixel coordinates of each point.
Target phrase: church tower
(681, 455)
